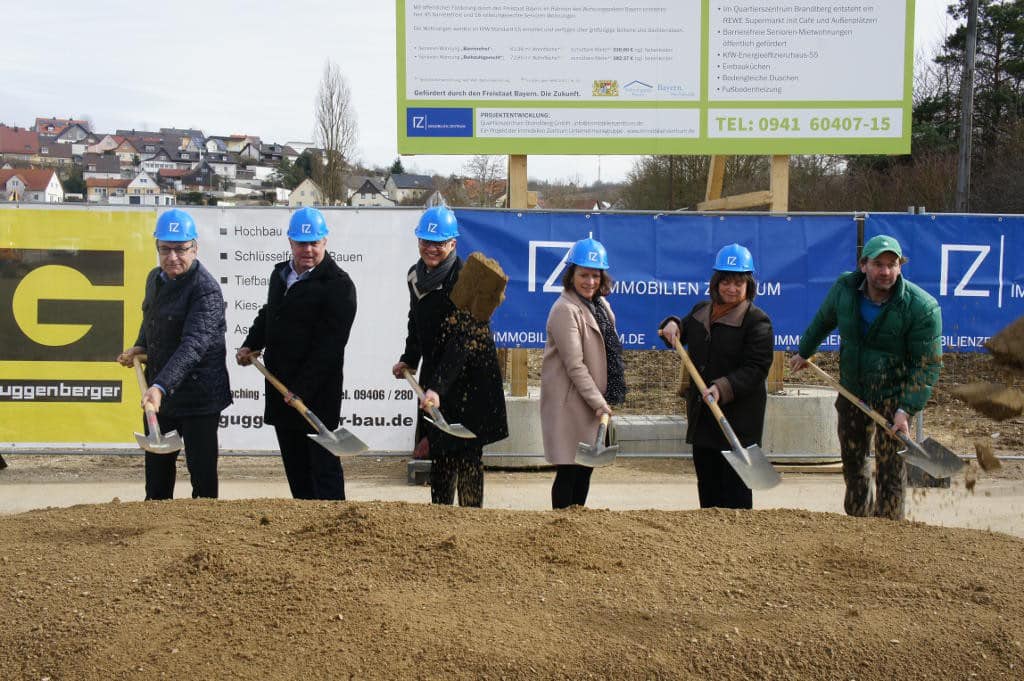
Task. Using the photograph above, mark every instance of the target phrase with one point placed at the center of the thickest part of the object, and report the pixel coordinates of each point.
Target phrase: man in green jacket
(890, 355)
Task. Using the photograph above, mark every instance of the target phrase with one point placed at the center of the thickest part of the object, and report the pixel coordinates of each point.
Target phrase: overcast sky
(236, 66)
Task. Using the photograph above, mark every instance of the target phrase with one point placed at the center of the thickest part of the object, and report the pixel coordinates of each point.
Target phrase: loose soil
(284, 589)
(273, 589)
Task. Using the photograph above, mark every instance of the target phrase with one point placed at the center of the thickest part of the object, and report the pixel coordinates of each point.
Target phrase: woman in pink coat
(582, 373)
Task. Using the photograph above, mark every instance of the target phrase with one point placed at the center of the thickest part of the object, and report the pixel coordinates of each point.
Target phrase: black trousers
(199, 434)
(718, 485)
(455, 464)
(855, 428)
(571, 486)
(313, 472)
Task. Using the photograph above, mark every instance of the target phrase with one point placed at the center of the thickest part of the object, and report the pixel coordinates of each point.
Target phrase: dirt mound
(285, 589)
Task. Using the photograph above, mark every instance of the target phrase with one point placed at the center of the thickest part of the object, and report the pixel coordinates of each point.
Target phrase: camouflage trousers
(456, 464)
(886, 498)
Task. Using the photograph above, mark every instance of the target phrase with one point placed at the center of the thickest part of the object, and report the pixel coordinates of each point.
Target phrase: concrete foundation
(798, 421)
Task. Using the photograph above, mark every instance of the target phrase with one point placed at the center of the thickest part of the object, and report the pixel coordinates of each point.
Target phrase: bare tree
(485, 182)
(336, 132)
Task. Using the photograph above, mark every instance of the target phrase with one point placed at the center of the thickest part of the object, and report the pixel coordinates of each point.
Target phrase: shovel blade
(168, 444)
(933, 458)
(753, 467)
(340, 443)
(595, 457)
(453, 429)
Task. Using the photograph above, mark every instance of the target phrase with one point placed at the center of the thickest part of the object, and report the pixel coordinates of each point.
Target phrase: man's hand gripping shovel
(750, 463)
(453, 429)
(930, 456)
(340, 442)
(154, 442)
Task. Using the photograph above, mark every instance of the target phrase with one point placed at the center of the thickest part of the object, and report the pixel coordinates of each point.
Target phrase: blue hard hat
(734, 258)
(175, 225)
(588, 253)
(307, 224)
(437, 224)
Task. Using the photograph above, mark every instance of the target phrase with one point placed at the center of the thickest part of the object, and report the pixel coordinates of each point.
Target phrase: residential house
(271, 154)
(308, 193)
(105, 144)
(75, 132)
(222, 164)
(369, 194)
(107, 190)
(18, 144)
(404, 188)
(51, 127)
(216, 145)
(127, 153)
(53, 154)
(144, 191)
(236, 143)
(169, 156)
(250, 153)
(101, 167)
(184, 139)
(31, 185)
(170, 179)
(299, 147)
(202, 178)
(288, 153)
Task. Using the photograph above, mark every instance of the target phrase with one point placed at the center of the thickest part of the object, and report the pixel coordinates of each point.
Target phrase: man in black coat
(459, 371)
(182, 333)
(303, 330)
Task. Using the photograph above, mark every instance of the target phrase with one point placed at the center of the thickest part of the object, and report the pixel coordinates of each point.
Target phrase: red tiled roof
(18, 141)
(59, 124)
(172, 172)
(36, 179)
(106, 182)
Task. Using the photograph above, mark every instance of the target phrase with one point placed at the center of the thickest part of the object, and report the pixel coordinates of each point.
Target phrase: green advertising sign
(664, 77)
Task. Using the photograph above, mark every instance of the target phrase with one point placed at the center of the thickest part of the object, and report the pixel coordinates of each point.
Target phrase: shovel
(453, 429)
(597, 454)
(750, 463)
(341, 442)
(154, 442)
(930, 456)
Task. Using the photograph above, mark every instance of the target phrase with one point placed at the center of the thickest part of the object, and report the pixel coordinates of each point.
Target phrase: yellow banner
(71, 288)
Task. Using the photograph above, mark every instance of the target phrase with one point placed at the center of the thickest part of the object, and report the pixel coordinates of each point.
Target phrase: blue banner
(972, 265)
(660, 265)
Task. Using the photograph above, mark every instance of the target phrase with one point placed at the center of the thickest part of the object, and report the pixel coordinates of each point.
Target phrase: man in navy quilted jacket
(182, 333)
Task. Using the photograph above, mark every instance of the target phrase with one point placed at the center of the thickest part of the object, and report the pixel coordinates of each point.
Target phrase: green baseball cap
(877, 245)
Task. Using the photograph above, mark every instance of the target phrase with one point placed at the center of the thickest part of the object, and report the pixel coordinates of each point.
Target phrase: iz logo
(53, 307)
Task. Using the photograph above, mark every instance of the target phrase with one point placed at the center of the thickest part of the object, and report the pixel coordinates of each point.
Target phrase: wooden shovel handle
(695, 375)
(296, 402)
(137, 361)
(856, 401)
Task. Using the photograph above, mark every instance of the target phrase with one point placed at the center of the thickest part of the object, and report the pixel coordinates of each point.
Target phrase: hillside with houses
(67, 160)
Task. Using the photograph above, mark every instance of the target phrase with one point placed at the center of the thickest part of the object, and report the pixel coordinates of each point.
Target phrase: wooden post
(776, 372)
(780, 184)
(517, 200)
(780, 204)
(716, 178)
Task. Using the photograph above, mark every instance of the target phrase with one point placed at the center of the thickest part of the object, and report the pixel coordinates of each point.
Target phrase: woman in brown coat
(582, 373)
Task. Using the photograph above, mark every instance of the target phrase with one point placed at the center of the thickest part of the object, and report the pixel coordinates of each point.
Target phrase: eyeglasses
(435, 245)
(179, 251)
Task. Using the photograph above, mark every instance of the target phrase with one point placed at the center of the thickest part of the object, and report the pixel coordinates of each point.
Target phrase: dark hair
(606, 281)
(718, 277)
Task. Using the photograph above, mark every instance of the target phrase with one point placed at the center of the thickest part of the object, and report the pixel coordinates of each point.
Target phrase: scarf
(425, 281)
(615, 393)
(719, 310)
